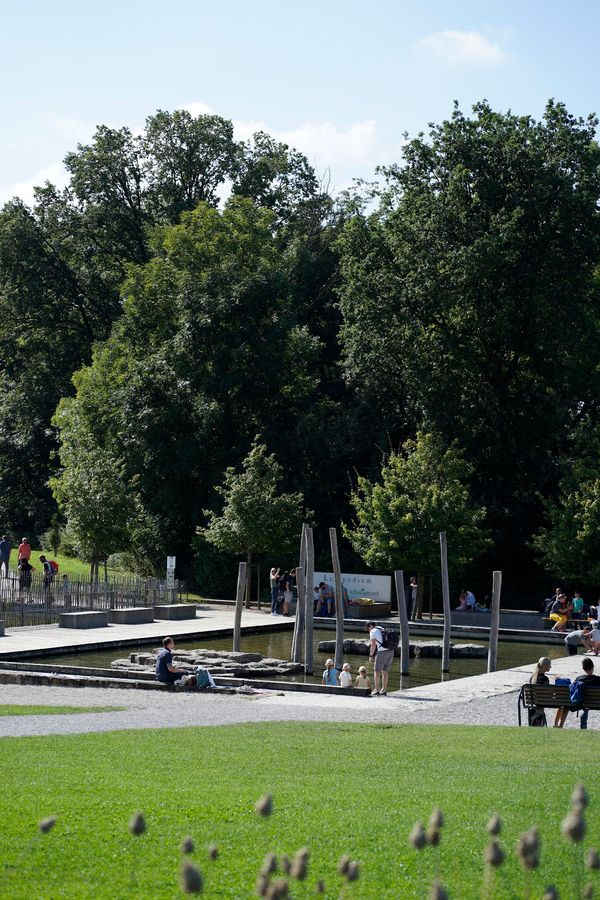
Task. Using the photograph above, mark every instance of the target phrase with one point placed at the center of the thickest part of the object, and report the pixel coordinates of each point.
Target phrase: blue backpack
(576, 694)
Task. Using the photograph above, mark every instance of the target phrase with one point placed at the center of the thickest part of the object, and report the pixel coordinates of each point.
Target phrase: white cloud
(56, 173)
(197, 108)
(459, 47)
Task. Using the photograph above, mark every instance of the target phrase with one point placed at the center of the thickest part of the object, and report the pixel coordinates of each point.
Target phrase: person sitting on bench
(587, 678)
(165, 670)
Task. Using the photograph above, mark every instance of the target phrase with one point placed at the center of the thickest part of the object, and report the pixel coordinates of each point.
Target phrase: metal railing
(33, 599)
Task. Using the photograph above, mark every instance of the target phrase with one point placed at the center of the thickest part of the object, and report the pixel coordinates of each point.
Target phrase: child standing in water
(346, 676)
(330, 674)
(362, 679)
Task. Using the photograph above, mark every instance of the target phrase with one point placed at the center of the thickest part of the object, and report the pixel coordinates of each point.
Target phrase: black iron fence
(34, 599)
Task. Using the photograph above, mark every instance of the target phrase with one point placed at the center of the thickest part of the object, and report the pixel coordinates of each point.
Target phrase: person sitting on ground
(560, 613)
(537, 716)
(166, 672)
(462, 602)
(330, 674)
(588, 677)
(362, 679)
(581, 637)
(471, 601)
(345, 676)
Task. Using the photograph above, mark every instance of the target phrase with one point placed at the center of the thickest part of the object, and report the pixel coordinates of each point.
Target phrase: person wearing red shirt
(24, 549)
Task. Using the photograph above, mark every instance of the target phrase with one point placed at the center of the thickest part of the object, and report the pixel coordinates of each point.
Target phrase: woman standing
(274, 582)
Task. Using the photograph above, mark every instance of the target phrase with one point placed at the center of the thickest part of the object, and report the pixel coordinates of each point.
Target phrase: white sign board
(170, 573)
(377, 587)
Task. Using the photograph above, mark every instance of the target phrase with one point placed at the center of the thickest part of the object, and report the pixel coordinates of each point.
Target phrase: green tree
(255, 518)
(569, 544)
(90, 490)
(470, 301)
(424, 489)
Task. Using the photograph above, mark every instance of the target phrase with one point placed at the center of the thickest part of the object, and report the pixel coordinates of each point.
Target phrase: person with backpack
(576, 695)
(381, 654)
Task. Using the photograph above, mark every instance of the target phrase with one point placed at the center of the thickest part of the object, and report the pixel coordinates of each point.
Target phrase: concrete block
(175, 611)
(96, 618)
(131, 615)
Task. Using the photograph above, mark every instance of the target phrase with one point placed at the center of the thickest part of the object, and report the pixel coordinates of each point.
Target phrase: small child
(330, 674)
(346, 676)
(362, 679)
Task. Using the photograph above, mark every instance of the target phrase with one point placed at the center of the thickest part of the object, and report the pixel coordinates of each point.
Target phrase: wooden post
(403, 619)
(248, 570)
(309, 650)
(239, 602)
(300, 606)
(446, 599)
(495, 621)
(339, 601)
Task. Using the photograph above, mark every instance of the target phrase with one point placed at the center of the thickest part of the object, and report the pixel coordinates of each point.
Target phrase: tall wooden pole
(309, 649)
(403, 618)
(239, 602)
(339, 600)
(495, 621)
(301, 604)
(446, 599)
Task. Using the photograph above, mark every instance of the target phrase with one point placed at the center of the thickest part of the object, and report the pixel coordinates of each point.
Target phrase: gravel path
(158, 710)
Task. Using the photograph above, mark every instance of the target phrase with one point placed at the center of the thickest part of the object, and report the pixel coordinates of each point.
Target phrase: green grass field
(66, 565)
(337, 789)
(18, 709)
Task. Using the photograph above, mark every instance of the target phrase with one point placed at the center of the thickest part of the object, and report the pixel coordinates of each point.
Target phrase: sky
(341, 80)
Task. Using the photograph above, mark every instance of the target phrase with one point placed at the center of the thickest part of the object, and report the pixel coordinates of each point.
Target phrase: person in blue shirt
(330, 674)
(165, 670)
(5, 548)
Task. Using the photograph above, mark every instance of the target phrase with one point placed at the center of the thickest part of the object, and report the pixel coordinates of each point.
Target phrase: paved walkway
(209, 622)
(478, 700)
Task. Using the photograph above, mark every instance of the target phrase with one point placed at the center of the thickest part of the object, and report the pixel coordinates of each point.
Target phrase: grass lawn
(337, 789)
(14, 709)
(66, 565)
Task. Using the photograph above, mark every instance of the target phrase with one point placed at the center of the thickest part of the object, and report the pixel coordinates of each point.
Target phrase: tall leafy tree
(470, 300)
(256, 517)
(422, 490)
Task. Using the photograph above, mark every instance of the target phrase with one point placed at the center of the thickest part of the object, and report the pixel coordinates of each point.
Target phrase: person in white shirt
(380, 657)
(345, 676)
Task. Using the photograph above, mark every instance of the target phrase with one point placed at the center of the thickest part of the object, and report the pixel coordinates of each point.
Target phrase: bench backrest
(554, 695)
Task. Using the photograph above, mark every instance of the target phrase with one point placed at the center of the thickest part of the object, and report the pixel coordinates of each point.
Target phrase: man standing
(5, 548)
(381, 658)
(165, 670)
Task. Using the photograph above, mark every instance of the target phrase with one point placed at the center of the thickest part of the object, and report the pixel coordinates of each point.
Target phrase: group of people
(282, 590)
(560, 609)
(24, 567)
(537, 716)
(379, 655)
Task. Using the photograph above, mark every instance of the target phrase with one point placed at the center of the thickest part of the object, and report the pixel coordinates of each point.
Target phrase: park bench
(97, 618)
(131, 615)
(555, 696)
(176, 611)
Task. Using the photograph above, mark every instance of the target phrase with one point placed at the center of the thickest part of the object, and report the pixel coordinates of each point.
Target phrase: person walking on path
(381, 658)
(24, 549)
(5, 548)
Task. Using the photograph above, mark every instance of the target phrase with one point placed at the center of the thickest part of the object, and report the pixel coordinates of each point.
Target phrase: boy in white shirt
(345, 676)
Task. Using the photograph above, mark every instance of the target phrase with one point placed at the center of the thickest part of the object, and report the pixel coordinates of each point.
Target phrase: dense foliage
(186, 292)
